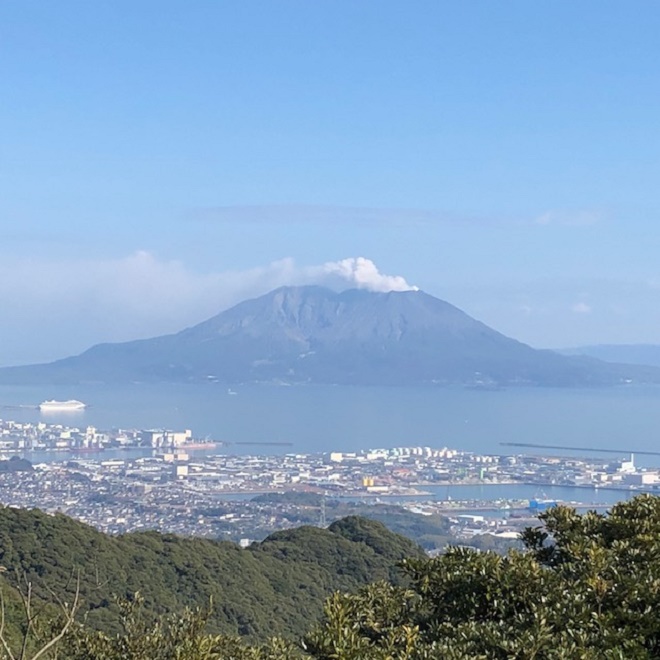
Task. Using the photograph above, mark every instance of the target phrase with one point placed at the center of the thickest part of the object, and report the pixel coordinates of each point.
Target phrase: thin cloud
(581, 308)
(327, 215)
(580, 218)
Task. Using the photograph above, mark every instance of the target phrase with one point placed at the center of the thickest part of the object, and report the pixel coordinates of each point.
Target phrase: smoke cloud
(363, 274)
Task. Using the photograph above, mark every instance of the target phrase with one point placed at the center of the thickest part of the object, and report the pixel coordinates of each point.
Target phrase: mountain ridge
(639, 354)
(275, 586)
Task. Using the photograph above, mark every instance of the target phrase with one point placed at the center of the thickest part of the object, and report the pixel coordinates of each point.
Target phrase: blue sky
(161, 160)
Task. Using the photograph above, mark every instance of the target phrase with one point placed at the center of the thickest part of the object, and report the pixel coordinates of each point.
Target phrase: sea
(272, 419)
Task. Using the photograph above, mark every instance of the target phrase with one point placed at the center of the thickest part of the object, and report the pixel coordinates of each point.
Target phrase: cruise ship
(61, 406)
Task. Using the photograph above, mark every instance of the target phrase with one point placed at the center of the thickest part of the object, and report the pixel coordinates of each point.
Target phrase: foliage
(38, 629)
(432, 532)
(276, 587)
(16, 464)
(586, 587)
(173, 637)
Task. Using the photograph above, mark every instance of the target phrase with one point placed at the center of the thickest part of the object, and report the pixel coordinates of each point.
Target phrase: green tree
(173, 637)
(273, 588)
(585, 586)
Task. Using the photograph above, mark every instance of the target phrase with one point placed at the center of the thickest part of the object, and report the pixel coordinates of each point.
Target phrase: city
(126, 480)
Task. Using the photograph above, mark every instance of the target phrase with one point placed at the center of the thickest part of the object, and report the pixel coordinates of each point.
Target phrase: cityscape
(125, 480)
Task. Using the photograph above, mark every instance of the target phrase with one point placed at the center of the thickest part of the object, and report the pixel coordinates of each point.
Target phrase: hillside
(312, 335)
(584, 586)
(640, 354)
(274, 587)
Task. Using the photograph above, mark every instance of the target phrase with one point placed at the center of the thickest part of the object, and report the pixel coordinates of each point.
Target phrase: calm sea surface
(326, 418)
(496, 495)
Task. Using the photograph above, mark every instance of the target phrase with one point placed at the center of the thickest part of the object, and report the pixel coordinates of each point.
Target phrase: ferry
(61, 406)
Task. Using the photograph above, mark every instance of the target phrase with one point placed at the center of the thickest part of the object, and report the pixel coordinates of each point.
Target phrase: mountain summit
(310, 334)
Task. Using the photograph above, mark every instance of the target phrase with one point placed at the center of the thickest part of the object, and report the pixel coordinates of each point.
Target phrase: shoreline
(541, 484)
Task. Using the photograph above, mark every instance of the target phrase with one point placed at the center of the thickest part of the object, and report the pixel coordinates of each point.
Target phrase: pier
(589, 449)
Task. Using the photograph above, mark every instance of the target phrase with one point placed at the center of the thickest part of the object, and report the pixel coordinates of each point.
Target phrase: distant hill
(311, 334)
(274, 587)
(641, 354)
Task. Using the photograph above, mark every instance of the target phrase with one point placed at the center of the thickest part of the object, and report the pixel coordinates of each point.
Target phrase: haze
(160, 161)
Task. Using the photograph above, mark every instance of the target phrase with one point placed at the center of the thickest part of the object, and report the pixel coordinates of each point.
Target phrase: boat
(61, 406)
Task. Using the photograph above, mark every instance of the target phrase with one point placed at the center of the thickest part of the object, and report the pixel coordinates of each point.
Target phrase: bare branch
(70, 614)
(3, 641)
(27, 604)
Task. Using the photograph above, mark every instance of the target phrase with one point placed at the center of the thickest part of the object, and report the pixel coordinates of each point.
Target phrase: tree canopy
(276, 587)
(584, 586)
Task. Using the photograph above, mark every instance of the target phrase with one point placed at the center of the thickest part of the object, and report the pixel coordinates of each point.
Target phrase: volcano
(313, 335)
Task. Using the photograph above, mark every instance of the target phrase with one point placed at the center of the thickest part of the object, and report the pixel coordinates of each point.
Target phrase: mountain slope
(642, 354)
(314, 335)
(274, 587)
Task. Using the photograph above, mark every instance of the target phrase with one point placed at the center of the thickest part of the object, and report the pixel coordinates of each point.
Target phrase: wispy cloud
(567, 218)
(581, 308)
(328, 215)
(563, 312)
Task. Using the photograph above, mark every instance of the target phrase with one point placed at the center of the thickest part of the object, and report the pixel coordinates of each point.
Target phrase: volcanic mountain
(310, 334)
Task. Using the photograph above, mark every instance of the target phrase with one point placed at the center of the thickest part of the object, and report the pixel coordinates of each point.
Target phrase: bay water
(268, 419)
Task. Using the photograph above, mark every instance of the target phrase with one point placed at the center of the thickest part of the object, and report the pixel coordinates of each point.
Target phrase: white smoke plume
(54, 308)
(364, 274)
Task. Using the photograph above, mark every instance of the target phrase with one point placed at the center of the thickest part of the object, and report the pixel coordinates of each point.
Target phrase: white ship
(61, 406)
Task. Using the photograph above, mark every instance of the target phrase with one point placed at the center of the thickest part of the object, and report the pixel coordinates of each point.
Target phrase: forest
(583, 586)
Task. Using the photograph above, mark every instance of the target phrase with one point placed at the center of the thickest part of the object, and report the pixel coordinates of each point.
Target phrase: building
(163, 438)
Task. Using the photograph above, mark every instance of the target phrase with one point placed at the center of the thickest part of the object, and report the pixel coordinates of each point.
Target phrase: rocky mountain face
(311, 334)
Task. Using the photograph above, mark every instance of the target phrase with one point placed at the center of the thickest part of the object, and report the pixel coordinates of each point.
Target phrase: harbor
(173, 480)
